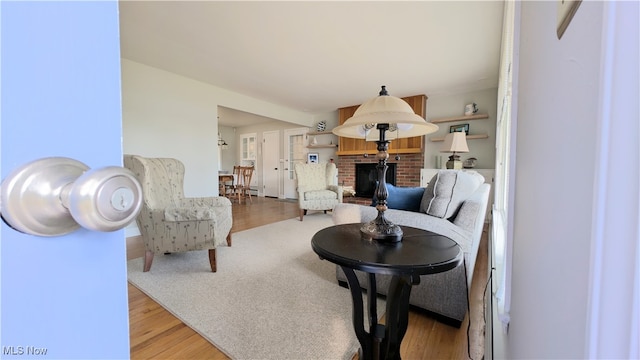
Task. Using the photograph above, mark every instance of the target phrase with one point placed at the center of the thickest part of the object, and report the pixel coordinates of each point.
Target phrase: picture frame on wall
(460, 127)
(313, 158)
(566, 10)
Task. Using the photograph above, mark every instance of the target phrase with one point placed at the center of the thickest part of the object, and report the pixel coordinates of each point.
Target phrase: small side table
(420, 252)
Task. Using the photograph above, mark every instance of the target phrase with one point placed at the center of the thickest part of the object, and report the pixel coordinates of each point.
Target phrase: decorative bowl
(470, 163)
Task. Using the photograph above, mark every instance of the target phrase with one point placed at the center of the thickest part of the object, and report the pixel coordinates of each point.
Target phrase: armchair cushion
(320, 195)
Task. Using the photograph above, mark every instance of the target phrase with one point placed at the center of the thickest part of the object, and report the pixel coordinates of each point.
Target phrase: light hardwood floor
(157, 334)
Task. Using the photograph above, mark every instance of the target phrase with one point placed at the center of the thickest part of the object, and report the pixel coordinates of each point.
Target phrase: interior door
(271, 163)
(295, 151)
(62, 297)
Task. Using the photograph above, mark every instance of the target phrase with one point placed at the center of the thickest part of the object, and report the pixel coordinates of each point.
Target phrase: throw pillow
(447, 190)
(402, 198)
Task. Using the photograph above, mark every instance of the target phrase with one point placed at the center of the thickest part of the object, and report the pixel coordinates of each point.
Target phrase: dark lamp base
(381, 231)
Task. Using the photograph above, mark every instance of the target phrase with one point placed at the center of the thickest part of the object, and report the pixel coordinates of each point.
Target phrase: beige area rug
(271, 298)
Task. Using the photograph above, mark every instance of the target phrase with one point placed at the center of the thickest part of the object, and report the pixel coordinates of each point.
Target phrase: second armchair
(316, 189)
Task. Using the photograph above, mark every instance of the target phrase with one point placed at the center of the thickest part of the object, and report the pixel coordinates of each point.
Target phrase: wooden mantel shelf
(373, 152)
(460, 118)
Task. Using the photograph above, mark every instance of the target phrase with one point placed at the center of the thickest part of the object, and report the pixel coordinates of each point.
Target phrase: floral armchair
(169, 222)
(315, 187)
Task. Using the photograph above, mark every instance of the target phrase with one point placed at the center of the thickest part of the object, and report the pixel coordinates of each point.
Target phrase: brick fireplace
(407, 171)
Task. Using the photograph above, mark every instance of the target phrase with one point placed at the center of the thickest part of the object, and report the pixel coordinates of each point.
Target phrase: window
(503, 186)
(248, 149)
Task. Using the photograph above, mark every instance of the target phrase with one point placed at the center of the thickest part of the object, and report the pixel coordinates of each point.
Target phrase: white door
(271, 163)
(62, 297)
(295, 148)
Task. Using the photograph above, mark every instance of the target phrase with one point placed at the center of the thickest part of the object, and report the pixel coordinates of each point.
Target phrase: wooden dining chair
(244, 183)
(241, 186)
(231, 186)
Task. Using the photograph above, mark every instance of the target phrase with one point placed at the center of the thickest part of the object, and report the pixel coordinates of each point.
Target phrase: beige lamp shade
(455, 142)
(384, 109)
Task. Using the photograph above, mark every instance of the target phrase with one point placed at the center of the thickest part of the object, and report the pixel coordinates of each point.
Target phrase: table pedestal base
(381, 342)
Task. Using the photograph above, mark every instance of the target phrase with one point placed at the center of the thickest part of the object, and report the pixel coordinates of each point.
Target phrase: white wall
(450, 105)
(229, 155)
(165, 114)
(558, 134)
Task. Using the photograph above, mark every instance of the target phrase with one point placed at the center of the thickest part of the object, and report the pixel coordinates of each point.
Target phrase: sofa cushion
(447, 190)
(402, 198)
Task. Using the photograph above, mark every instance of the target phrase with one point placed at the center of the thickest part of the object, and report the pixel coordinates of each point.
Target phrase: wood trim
(460, 118)
(322, 146)
(375, 151)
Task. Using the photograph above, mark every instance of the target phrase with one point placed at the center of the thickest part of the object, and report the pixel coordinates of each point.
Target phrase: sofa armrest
(473, 210)
(346, 214)
(471, 217)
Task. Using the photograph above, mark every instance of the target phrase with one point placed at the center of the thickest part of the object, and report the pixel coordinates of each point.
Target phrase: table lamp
(455, 142)
(384, 113)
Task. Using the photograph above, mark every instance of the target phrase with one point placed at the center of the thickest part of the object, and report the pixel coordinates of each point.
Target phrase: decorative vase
(322, 126)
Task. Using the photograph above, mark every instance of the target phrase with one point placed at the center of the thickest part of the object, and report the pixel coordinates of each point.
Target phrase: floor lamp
(383, 113)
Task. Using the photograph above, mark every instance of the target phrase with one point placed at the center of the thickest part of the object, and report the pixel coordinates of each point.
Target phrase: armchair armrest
(346, 214)
(205, 201)
(193, 209)
(189, 213)
(338, 190)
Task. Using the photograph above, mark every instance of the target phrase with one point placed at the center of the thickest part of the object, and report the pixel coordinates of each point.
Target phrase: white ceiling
(319, 56)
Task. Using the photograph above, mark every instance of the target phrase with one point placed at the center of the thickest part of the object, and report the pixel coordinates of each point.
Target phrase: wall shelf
(320, 133)
(469, 137)
(460, 118)
(322, 146)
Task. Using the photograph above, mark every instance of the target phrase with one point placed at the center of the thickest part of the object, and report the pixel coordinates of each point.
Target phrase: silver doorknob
(55, 196)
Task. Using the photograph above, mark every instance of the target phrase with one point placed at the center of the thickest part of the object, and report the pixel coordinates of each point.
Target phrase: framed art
(461, 127)
(566, 10)
(312, 158)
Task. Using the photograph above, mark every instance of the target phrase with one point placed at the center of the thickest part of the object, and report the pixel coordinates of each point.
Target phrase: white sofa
(453, 204)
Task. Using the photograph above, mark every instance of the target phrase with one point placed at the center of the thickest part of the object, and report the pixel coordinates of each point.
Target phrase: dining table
(222, 179)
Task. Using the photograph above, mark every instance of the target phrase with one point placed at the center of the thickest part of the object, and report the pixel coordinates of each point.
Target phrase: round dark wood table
(420, 252)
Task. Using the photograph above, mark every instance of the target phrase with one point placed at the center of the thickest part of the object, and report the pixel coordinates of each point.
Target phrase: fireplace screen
(367, 177)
